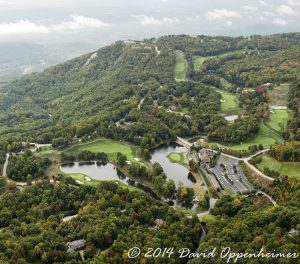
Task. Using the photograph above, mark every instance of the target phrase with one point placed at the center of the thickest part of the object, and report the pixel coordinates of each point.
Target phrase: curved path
(268, 196)
(4, 172)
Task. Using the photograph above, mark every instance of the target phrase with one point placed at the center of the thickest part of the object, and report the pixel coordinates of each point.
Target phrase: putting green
(278, 119)
(82, 178)
(229, 102)
(176, 157)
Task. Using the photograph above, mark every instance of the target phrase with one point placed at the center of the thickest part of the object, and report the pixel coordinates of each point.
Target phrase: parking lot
(230, 175)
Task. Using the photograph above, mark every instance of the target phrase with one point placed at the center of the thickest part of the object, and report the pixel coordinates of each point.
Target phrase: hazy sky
(106, 21)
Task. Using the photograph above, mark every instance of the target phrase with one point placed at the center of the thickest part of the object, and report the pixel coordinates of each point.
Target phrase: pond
(106, 172)
(174, 171)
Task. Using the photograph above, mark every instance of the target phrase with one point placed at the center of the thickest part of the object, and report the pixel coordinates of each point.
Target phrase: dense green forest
(110, 219)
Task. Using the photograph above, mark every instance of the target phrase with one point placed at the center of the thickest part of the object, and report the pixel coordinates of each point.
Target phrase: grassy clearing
(230, 102)
(229, 192)
(207, 218)
(47, 153)
(225, 84)
(82, 178)
(291, 169)
(199, 60)
(110, 147)
(181, 66)
(278, 95)
(265, 136)
(278, 120)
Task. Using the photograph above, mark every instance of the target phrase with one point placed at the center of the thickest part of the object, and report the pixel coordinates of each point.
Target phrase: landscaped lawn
(180, 66)
(110, 147)
(284, 168)
(278, 120)
(230, 102)
(265, 136)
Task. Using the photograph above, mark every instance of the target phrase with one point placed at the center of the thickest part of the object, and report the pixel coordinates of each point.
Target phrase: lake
(174, 171)
(106, 172)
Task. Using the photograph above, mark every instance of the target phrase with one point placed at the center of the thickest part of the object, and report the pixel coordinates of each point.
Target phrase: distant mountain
(17, 59)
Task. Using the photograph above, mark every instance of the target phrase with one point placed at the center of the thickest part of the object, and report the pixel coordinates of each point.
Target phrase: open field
(230, 102)
(199, 60)
(278, 95)
(110, 147)
(265, 136)
(181, 66)
(284, 168)
(278, 119)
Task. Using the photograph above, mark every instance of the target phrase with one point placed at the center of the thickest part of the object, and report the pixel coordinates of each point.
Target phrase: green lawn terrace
(291, 169)
(181, 66)
(265, 136)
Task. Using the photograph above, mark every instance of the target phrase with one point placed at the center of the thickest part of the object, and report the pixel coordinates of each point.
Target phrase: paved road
(269, 197)
(252, 167)
(4, 172)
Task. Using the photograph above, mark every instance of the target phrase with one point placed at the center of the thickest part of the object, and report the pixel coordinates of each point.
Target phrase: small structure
(68, 218)
(206, 155)
(196, 199)
(159, 222)
(293, 233)
(76, 245)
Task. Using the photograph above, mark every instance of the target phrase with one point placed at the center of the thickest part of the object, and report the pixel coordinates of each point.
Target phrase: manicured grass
(81, 177)
(265, 136)
(278, 120)
(291, 169)
(230, 103)
(176, 157)
(110, 147)
(278, 95)
(181, 66)
(199, 60)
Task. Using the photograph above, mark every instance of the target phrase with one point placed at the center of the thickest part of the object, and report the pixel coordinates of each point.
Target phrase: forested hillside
(127, 90)
(109, 219)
